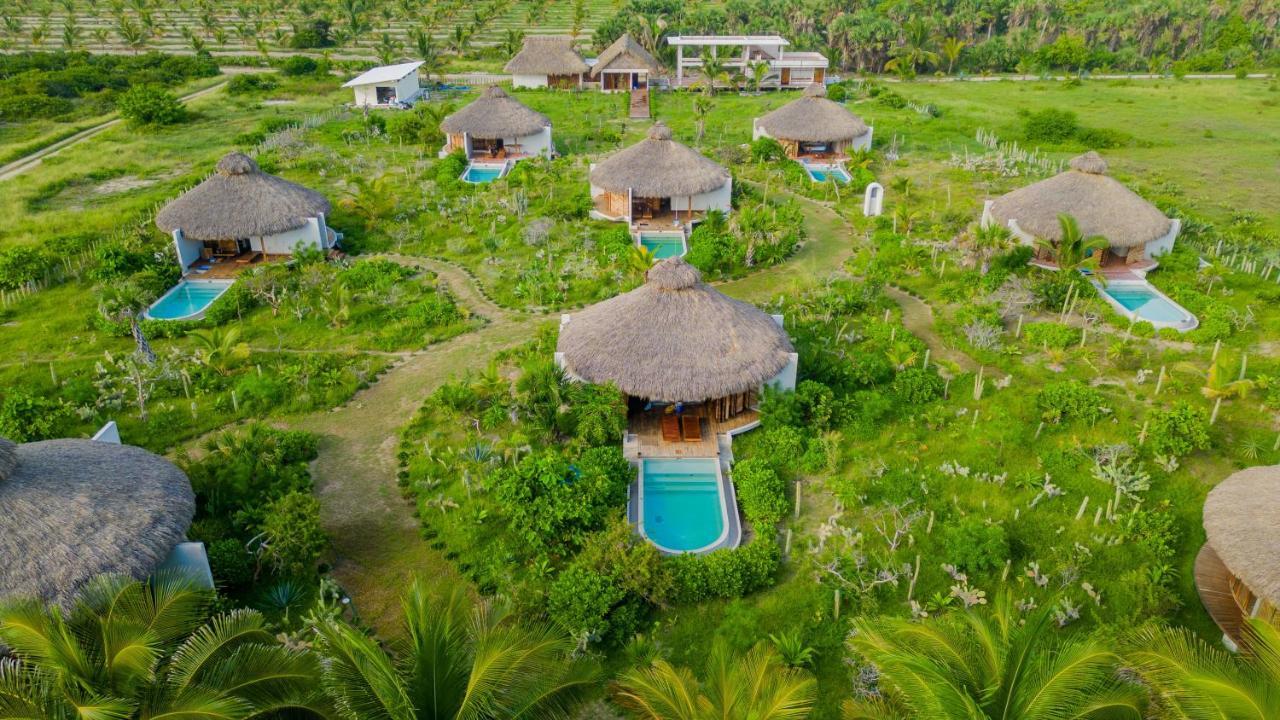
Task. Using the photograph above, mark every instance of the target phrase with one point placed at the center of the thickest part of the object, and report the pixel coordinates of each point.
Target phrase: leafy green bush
(22, 264)
(231, 563)
(552, 502)
(974, 545)
(16, 108)
(581, 600)
(249, 83)
(296, 65)
(150, 105)
(1179, 430)
(761, 493)
(1070, 400)
(766, 149)
(1050, 125)
(292, 538)
(599, 413)
(25, 417)
(725, 573)
(311, 34)
(917, 386)
(1050, 334)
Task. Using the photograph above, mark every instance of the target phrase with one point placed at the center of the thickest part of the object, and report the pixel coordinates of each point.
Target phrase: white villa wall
(408, 87)
(786, 378)
(719, 199)
(309, 235)
(529, 81)
(1163, 244)
(539, 144)
(188, 251)
(366, 95)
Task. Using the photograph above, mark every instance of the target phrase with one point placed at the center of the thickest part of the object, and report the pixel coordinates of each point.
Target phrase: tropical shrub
(766, 149)
(1069, 400)
(725, 573)
(761, 493)
(292, 538)
(975, 545)
(1179, 430)
(552, 502)
(296, 65)
(26, 417)
(150, 105)
(22, 264)
(249, 83)
(232, 564)
(917, 386)
(1050, 125)
(1050, 334)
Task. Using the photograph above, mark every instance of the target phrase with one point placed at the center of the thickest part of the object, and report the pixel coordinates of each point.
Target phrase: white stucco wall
(309, 235)
(786, 378)
(408, 87)
(718, 199)
(539, 144)
(529, 81)
(1164, 244)
(366, 95)
(188, 251)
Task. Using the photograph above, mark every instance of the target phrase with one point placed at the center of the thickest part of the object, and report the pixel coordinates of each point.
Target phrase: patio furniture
(670, 428)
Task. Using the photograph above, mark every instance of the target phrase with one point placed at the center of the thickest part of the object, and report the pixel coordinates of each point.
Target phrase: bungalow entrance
(385, 95)
(650, 208)
(687, 430)
(624, 81)
(564, 82)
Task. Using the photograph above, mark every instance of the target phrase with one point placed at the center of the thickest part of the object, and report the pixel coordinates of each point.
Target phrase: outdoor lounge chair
(692, 428)
(670, 428)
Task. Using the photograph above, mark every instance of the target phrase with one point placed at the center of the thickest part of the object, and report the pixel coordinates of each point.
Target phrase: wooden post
(836, 605)
(787, 550)
(1018, 333)
(911, 588)
(1160, 380)
(1083, 505)
(1244, 363)
(1039, 429)
(797, 499)
(1217, 345)
(1142, 434)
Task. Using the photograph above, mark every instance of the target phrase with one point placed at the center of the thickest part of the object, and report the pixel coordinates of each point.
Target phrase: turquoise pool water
(663, 245)
(187, 299)
(823, 173)
(1146, 303)
(683, 509)
(482, 173)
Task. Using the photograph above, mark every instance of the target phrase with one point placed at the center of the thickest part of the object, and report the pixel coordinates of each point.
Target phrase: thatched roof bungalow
(658, 179)
(75, 509)
(1136, 230)
(499, 127)
(677, 339)
(813, 126)
(1238, 569)
(547, 61)
(625, 65)
(242, 214)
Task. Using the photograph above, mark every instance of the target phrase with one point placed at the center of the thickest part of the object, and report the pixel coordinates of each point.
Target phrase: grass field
(1205, 149)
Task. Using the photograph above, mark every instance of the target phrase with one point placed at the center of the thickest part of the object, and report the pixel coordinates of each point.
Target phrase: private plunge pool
(663, 244)
(823, 173)
(477, 173)
(683, 508)
(1142, 301)
(187, 300)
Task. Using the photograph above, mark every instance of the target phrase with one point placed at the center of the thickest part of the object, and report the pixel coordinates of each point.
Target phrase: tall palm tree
(455, 661)
(1074, 252)
(147, 649)
(124, 302)
(759, 71)
(757, 686)
(951, 49)
(701, 106)
(987, 241)
(713, 70)
(1198, 682)
(988, 664)
(913, 51)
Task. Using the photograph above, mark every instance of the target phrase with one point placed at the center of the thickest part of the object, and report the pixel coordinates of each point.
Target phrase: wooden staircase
(640, 104)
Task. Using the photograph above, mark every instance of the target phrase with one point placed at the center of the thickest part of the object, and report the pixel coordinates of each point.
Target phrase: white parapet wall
(719, 199)
(529, 81)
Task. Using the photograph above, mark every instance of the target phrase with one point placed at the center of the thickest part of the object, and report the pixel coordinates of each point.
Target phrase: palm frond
(659, 692)
(213, 642)
(360, 678)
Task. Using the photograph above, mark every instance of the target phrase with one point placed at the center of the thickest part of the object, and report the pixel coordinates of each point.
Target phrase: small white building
(387, 85)
(547, 61)
(496, 126)
(787, 69)
(659, 183)
(242, 215)
(1138, 233)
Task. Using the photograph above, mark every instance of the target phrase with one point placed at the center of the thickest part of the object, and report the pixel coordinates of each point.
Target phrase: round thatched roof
(1242, 523)
(495, 114)
(1099, 203)
(675, 339)
(658, 167)
(74, 509)
(241, 201)
(813, 118)
(547, 55)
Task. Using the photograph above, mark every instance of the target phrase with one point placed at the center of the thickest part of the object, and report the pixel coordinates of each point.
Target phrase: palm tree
(454, 661)
(987, 241)
(914, 50)
(1216, 385)
(1198, 682)
(713, 71)
(759, 70)
(701, 106)
(429, 53)
(1074, 252)
(219, 349)
(124, 302)
(147, 649)
(988, 664)
(757, 686)
(951, 50)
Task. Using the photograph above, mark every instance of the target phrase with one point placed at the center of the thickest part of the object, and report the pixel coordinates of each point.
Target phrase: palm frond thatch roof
(74, 509)
(674, 339)
(626, 54)
(1242, 524)
(547, 55)
(658, 166)
(1100, 203)
(813, 118)
(495, 114)
(240, 201)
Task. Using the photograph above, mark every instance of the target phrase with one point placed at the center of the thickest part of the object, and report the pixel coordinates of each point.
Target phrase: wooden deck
(1213, 581)
(644, 436)
(228, 268)
(667, 221)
